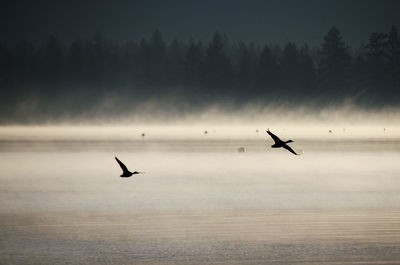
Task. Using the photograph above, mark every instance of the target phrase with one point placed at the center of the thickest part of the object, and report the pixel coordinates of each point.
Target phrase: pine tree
(307, 73)
(377, 66)
(290, 69)
(267, 73)
(393, 53)
(218, 64)
(334, 66)
(194, 62)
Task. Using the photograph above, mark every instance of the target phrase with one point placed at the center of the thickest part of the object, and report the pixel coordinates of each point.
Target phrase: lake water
(200, 201)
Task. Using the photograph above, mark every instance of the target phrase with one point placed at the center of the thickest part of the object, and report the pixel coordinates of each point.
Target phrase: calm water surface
(200, 202)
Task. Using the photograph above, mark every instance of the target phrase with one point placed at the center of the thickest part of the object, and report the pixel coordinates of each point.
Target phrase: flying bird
(125, 172)
(279, 143)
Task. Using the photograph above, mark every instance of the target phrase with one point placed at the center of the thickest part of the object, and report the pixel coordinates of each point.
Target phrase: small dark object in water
(205, 132)
(256, 130)
(143, 134)
(330, 131)
(241, 149)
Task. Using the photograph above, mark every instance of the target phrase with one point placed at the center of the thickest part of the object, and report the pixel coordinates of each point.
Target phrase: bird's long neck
(289, 141)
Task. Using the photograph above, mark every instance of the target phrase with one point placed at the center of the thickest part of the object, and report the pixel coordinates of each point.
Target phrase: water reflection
(200, 201)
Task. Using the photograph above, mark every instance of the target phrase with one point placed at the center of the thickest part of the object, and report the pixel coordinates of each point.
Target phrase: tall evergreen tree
(24, 61)
(218, 64)
(5, 63)
(375, 50)
(53, 60)
(267, 71)
(359, 80)
(246, 65)
(76, 61)
(194, 64)
(176, 62)
(393, 53)
(307, 74)
(334, 66)
(290, 70)
(158, 59)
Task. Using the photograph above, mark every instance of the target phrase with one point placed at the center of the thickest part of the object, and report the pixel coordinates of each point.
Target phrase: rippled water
(200, 202)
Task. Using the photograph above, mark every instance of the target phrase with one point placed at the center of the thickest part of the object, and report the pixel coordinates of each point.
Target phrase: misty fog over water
(199, 197)
(80, 180)
(194, 95)
(339, 167)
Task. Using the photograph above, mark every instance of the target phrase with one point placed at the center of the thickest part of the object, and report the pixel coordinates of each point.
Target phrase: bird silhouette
(279, 143)
(125, 172)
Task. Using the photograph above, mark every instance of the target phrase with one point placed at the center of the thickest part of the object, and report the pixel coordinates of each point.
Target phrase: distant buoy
(330, 131)
(205, 132)
(143, 134)
(241, 149)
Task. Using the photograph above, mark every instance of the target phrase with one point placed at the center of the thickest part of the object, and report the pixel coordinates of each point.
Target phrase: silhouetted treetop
(74, 77)
(334, 65)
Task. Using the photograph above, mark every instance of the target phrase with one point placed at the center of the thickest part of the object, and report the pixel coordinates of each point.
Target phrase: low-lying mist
(157, 121)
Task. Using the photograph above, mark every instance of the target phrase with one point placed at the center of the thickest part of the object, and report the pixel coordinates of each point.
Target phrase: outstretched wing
(276, 138)
(289, 149)
(124, 169)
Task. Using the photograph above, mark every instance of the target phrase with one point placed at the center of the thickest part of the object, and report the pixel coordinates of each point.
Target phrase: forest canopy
(54, 78)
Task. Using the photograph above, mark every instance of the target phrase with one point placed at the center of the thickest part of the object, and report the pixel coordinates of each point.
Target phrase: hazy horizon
(267, 132)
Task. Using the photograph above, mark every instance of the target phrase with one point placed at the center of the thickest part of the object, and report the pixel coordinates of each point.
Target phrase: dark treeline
(55, 78)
